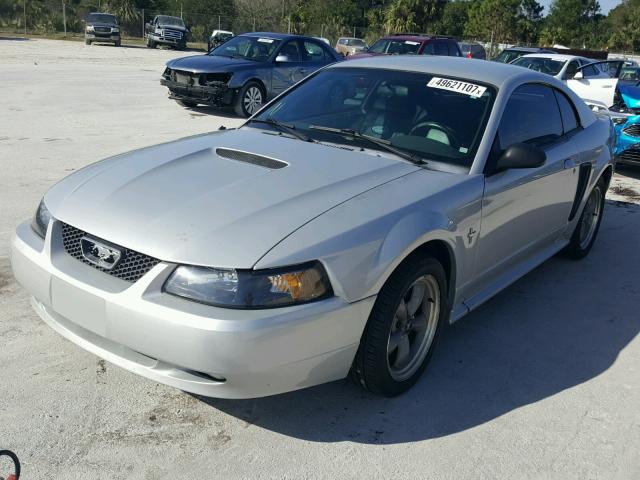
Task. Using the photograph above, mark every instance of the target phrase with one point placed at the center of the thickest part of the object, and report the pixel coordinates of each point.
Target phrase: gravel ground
(541, 382)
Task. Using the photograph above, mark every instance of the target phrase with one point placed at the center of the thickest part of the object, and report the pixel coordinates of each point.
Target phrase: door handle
(302, 70)
(607, 86)
(569, 163)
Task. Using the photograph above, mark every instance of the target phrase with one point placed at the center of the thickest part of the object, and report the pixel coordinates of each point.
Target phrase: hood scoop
(252, 158)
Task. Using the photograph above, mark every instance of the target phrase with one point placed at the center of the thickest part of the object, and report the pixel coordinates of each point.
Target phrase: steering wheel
(453, 141)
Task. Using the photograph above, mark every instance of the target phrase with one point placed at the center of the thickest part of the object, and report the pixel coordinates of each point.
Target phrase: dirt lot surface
(541, 382)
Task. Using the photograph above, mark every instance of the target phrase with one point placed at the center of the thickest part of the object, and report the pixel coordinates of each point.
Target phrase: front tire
(87, 42)
(403, 328)
(118, 43)
(150, 43)
(250, 99)
(586, 231)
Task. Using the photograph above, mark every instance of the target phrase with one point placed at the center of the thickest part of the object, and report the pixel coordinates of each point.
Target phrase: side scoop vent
(252, 158)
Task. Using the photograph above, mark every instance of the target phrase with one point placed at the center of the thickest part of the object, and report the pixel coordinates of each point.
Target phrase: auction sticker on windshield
(467, 88)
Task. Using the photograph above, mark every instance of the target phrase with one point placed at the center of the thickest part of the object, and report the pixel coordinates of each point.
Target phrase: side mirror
(579, 75)
(282, 59)
(521, 155)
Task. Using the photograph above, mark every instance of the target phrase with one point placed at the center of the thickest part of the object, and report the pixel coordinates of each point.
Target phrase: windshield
(395, 47)
(164, 20)
(356, 42)
(434, 118)
(508, 56)
(258, 49)
(102, 18)
(540, 64)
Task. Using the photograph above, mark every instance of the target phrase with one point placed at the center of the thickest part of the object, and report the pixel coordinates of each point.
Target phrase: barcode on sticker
(467, 88)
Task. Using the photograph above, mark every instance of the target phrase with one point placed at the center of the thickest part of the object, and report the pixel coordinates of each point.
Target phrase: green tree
(455, 16)
(571, 23)
(493, 20)
(529, 21)
(413, 15)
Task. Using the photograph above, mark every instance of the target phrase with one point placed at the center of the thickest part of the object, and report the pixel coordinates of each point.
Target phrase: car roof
(416, 37)
(556, 56)
(275, 36)
(493, 73)
(526, 49)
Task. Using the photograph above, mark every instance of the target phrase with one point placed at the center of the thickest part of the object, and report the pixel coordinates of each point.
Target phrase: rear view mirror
(521, 155)
(578, 75)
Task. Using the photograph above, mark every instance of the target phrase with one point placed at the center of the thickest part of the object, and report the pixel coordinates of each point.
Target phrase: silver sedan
(335, 233)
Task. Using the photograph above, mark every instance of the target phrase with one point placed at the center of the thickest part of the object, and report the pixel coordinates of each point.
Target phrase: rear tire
(186, 103)
(586, 231)
(87, 42)
(403, 328)
(250, 99)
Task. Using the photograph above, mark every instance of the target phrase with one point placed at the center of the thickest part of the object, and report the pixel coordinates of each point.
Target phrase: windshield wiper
(384, 144)
(283, 127)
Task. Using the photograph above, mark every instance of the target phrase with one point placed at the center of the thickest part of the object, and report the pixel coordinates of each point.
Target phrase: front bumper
(168, 40)
(628, 146)
(97, 37)
(205, 350)
(216, 95)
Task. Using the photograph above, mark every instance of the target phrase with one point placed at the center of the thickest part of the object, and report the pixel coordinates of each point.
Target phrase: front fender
(363, 240)
(241, 77)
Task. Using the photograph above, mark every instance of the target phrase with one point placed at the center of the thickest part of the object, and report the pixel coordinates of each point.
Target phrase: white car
(591, 80)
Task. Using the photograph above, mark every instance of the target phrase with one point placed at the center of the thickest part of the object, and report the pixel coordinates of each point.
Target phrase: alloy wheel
(252, 100)
(414, 327)
(590, 217)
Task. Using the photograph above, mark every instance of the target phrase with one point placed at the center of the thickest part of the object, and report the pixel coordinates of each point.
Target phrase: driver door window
(524, 210)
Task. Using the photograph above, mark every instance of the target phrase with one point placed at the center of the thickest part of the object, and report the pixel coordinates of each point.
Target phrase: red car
(413, 44)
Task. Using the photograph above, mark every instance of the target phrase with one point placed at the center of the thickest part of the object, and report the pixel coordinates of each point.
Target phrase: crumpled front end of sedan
(206, 88)
(625, 114)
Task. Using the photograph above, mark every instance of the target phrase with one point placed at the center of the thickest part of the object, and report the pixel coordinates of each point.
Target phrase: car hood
(102, 24)
(182, 202)
(207, 63)
(173, 27)
(630, 95)
(365, 55)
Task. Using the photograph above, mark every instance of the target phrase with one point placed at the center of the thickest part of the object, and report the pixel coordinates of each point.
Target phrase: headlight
(250, 288)
(41, 220)
(115, 30)
(90, 28)
(619, 120)
(159, 31)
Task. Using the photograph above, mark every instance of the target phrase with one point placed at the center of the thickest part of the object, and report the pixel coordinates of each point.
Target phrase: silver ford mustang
(336, 232)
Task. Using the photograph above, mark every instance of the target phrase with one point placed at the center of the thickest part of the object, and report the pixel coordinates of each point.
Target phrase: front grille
(632, 130)
(132, 266)
(168, 33)
(630, 155)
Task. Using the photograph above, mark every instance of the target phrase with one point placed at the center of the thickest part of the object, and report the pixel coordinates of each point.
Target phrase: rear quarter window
(530, 116)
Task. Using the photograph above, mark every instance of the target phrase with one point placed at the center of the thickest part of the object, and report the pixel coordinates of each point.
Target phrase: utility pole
(218, 22)
(181, 10)
(24, 5)
(289, 26)
(143, 32)
(64, 18)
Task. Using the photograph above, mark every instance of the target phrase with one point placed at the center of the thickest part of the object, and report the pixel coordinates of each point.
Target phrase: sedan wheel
(584, 235)
(414, 327)
(252, 100)
(403, 328)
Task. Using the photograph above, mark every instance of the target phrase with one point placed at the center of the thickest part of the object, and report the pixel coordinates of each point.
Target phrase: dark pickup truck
(101, 28)
(166, 30)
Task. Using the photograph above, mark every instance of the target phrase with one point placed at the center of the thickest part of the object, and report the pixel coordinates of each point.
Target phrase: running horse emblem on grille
(99, 253)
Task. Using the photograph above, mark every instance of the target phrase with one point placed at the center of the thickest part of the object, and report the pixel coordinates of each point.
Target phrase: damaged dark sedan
(246, 71)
